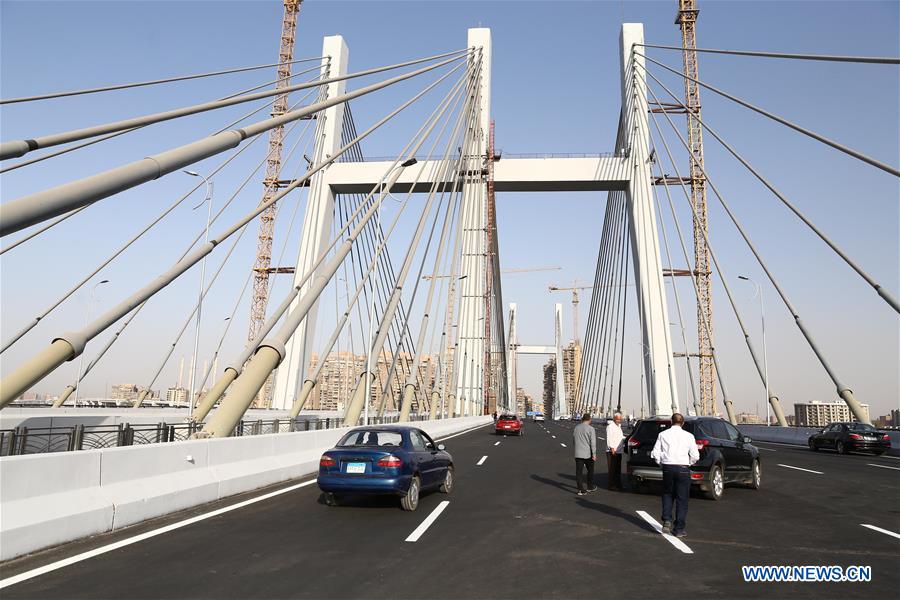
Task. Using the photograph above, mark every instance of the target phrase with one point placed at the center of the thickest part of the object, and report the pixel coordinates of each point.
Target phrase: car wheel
(447, 486)
(331, 499)
(410, 500)
(841, 448)
(812, 445)
(755, 475)
(716, 483)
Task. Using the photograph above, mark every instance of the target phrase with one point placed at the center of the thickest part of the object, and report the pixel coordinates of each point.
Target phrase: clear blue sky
(555, 89)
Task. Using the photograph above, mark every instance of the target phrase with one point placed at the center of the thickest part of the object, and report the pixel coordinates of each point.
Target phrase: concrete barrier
(49, 499)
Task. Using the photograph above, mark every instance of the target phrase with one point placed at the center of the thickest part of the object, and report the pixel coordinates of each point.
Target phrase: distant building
(177, 395)
(571, 356)
(749, 419)
(130, 392)
(341, 374)
(895, 418)
(550, 388)
(820, 414)
(524, 402)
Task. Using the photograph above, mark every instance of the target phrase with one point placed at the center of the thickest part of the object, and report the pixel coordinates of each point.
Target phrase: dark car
(399, 461)
(726, 456)
(847, 437)
(509, 425)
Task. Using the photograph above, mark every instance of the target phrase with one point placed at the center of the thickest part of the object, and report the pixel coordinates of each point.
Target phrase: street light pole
(762, 313)
(208, 201)
(87, 318)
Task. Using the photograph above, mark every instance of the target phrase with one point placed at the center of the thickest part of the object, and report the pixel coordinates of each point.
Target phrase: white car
(537, 417)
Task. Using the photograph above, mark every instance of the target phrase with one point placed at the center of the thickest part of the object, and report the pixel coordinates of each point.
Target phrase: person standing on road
(675, 450)
(615, 443)
(584, 440)
(495, 416)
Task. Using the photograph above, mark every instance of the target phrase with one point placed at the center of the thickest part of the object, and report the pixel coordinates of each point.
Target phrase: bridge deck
(513, 529)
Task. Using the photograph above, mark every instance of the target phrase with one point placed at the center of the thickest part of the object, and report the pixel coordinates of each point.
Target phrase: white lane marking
(561, 444)
(883, 466)
(554, 437)
(461, 433)
(879, 529)
(143, 536)
(670, 538)
(415, 535)
(496, 443)
(767, 449)
(801, 469)
(481, 462)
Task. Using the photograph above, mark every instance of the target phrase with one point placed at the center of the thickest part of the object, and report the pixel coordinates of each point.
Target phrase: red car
(508, 425)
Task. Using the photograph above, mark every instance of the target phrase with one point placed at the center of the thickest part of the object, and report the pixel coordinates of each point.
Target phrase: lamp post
(208, 200)
(86, 319)
(762, 313)
(407, 163)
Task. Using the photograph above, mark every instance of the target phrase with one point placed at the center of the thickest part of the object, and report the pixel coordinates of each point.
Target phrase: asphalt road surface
(512, 528)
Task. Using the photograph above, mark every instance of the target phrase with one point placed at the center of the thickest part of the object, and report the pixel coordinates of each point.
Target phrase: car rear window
(507, 418)
(648, 431)
(860, 427)
(371, 439)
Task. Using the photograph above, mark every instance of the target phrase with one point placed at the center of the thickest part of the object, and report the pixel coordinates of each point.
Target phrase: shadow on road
(615, 512)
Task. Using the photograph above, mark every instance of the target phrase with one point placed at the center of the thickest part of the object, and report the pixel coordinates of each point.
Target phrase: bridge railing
(40, 440)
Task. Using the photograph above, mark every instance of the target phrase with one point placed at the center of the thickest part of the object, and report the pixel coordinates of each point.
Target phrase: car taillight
(855, 436)
(701, 444)
(633, 443)
(696, 475)
(327, 461)
(885, 438)
(390, 462)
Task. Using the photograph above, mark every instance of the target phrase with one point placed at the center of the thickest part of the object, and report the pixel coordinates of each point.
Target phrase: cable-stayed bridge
(408, 249)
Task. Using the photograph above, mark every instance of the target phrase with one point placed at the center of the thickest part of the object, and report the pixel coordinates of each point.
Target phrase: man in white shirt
(675, 450)
(615, 442)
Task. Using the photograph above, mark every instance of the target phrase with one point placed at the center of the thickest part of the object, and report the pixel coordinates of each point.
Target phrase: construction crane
(262, 267)
(504, 272)
(574, 289)
(686, 19)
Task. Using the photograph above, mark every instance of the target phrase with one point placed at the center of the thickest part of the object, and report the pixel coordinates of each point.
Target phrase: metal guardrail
(40, 440)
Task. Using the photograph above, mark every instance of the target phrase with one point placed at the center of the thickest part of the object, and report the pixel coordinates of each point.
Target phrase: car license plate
(507, 427)
(869, 439)
(356, 467)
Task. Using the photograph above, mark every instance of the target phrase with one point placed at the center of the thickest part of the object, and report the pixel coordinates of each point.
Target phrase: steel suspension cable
(821, 138)
(885, 295)
(123, 86)
(16, 337)
(237, 367)
(843, 391)
(884, 60)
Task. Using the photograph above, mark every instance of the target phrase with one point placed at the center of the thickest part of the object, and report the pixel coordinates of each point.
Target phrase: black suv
(726, 456)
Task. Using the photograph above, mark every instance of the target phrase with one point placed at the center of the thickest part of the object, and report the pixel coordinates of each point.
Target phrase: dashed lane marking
(423, 527)
(143, 536)
(880, 530)
(670, 538)
(801, 469)
(561, 444)
(496, 443)
(883, 466)
(554, 437)
(481, 462)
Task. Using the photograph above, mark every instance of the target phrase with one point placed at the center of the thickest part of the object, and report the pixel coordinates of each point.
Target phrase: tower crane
(574, 289)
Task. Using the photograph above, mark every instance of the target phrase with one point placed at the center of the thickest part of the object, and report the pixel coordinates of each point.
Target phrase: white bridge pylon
(556, 350)
(627, 171)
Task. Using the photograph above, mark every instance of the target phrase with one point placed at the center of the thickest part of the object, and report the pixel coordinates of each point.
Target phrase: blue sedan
(391, 460)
